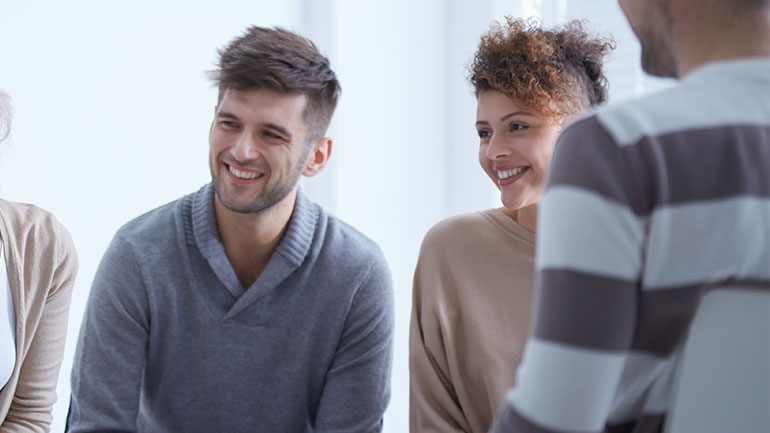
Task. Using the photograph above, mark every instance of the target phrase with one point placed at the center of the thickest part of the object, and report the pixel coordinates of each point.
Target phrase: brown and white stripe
(648, 205)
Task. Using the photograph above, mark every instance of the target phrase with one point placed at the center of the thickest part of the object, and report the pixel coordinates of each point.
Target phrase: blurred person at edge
(473, 282)
(38, 265)
(655, 209)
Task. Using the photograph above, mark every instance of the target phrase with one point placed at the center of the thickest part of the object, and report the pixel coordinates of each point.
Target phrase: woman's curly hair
(557, 73)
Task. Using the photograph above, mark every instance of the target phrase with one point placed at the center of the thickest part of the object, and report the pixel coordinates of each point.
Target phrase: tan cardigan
(42, 264)
(470, 318)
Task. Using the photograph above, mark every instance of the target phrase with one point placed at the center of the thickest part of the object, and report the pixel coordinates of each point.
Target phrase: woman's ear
(319, 156)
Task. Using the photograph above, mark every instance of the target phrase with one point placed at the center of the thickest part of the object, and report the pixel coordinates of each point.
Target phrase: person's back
(724, 360)
(670, 201)
(682, 178)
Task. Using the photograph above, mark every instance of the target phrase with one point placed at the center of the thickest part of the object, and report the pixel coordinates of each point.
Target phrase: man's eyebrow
(283, 131)
(226, 115)
(277, 128)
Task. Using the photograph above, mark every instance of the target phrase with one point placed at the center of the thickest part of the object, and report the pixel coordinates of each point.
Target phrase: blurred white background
(112, 111)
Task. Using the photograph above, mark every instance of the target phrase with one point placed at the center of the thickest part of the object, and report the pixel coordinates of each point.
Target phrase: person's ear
(214, 120)
(319, 156)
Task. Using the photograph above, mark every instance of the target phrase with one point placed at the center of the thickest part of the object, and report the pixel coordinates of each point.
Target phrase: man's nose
(246, 147)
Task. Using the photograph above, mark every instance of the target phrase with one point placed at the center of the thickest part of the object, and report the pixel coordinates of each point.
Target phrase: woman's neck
(525, 217)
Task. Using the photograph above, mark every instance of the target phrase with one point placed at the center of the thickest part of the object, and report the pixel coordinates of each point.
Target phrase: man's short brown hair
(282, 61)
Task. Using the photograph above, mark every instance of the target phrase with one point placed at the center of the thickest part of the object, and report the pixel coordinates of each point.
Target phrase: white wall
(112, 113)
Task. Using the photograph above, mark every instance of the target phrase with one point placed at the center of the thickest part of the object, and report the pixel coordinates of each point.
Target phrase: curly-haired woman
(474, 278)
(37, 271)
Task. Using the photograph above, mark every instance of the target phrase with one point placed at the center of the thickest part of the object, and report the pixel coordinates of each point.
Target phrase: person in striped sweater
(651, 205)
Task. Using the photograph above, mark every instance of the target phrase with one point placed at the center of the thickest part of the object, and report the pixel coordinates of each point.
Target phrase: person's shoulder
(38, 229)
(152, 225)
(28, 219)
(629, 121)
(455, 225)
(26, 213)
(346, 239)
(625, 123)
(453, 231)
(353, 256)
(706, 99)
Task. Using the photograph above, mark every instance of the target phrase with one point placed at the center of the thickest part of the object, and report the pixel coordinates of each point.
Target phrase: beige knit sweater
(470, 318)
(42, 264)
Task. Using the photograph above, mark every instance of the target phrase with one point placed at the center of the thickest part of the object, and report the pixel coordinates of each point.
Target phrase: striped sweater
(648, 205)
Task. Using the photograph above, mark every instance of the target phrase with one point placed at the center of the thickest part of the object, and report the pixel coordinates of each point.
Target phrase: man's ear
(319, 156)
(214, 120)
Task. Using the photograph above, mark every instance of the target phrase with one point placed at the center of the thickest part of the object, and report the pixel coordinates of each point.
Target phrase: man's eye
(229, 124)
(271, 134)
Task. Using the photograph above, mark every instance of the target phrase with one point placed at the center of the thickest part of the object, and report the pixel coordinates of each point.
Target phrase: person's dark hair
(557, 72)
(5, 115)
(282, 61)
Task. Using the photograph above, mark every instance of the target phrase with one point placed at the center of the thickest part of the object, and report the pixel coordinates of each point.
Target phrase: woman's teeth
(508, 173)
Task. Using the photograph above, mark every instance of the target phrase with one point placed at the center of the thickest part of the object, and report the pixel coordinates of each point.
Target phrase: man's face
(257, 148)
(651, 21)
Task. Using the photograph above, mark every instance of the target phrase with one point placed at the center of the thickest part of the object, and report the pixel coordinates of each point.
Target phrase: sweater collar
(290, 252)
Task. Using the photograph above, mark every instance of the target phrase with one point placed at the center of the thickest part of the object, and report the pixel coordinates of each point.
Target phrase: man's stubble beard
(658, 58)
(268, 197)
(658, 55)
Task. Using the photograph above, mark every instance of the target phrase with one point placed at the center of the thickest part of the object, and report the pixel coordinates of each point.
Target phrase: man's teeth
(508, 173)
(242, 174)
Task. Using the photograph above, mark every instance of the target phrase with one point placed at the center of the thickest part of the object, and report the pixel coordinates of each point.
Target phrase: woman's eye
(484, 133)
(517, 126)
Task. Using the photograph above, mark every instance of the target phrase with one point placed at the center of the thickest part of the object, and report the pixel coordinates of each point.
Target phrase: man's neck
(714, 36)
(250, 239)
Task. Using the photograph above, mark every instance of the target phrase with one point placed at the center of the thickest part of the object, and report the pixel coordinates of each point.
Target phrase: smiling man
(243, 307)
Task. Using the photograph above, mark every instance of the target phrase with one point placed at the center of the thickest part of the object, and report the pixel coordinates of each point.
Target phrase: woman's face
(515, 148)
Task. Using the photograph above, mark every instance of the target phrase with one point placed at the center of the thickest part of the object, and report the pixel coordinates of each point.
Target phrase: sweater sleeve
(433, 404)
(357, 388)
(33, 400)
(112, 347)
(589, 259)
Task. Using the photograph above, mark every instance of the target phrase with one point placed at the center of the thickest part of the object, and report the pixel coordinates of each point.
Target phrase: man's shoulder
(711, 98)
(342, 238)
(155, 225)
(349, 264)
(628, 122)
(651, 115)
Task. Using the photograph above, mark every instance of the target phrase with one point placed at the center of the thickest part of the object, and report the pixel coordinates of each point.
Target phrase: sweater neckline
(759, 66)
(288, 255)
(506, 223)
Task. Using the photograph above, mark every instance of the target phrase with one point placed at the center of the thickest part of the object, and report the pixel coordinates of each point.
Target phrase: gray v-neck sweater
(171, 342)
